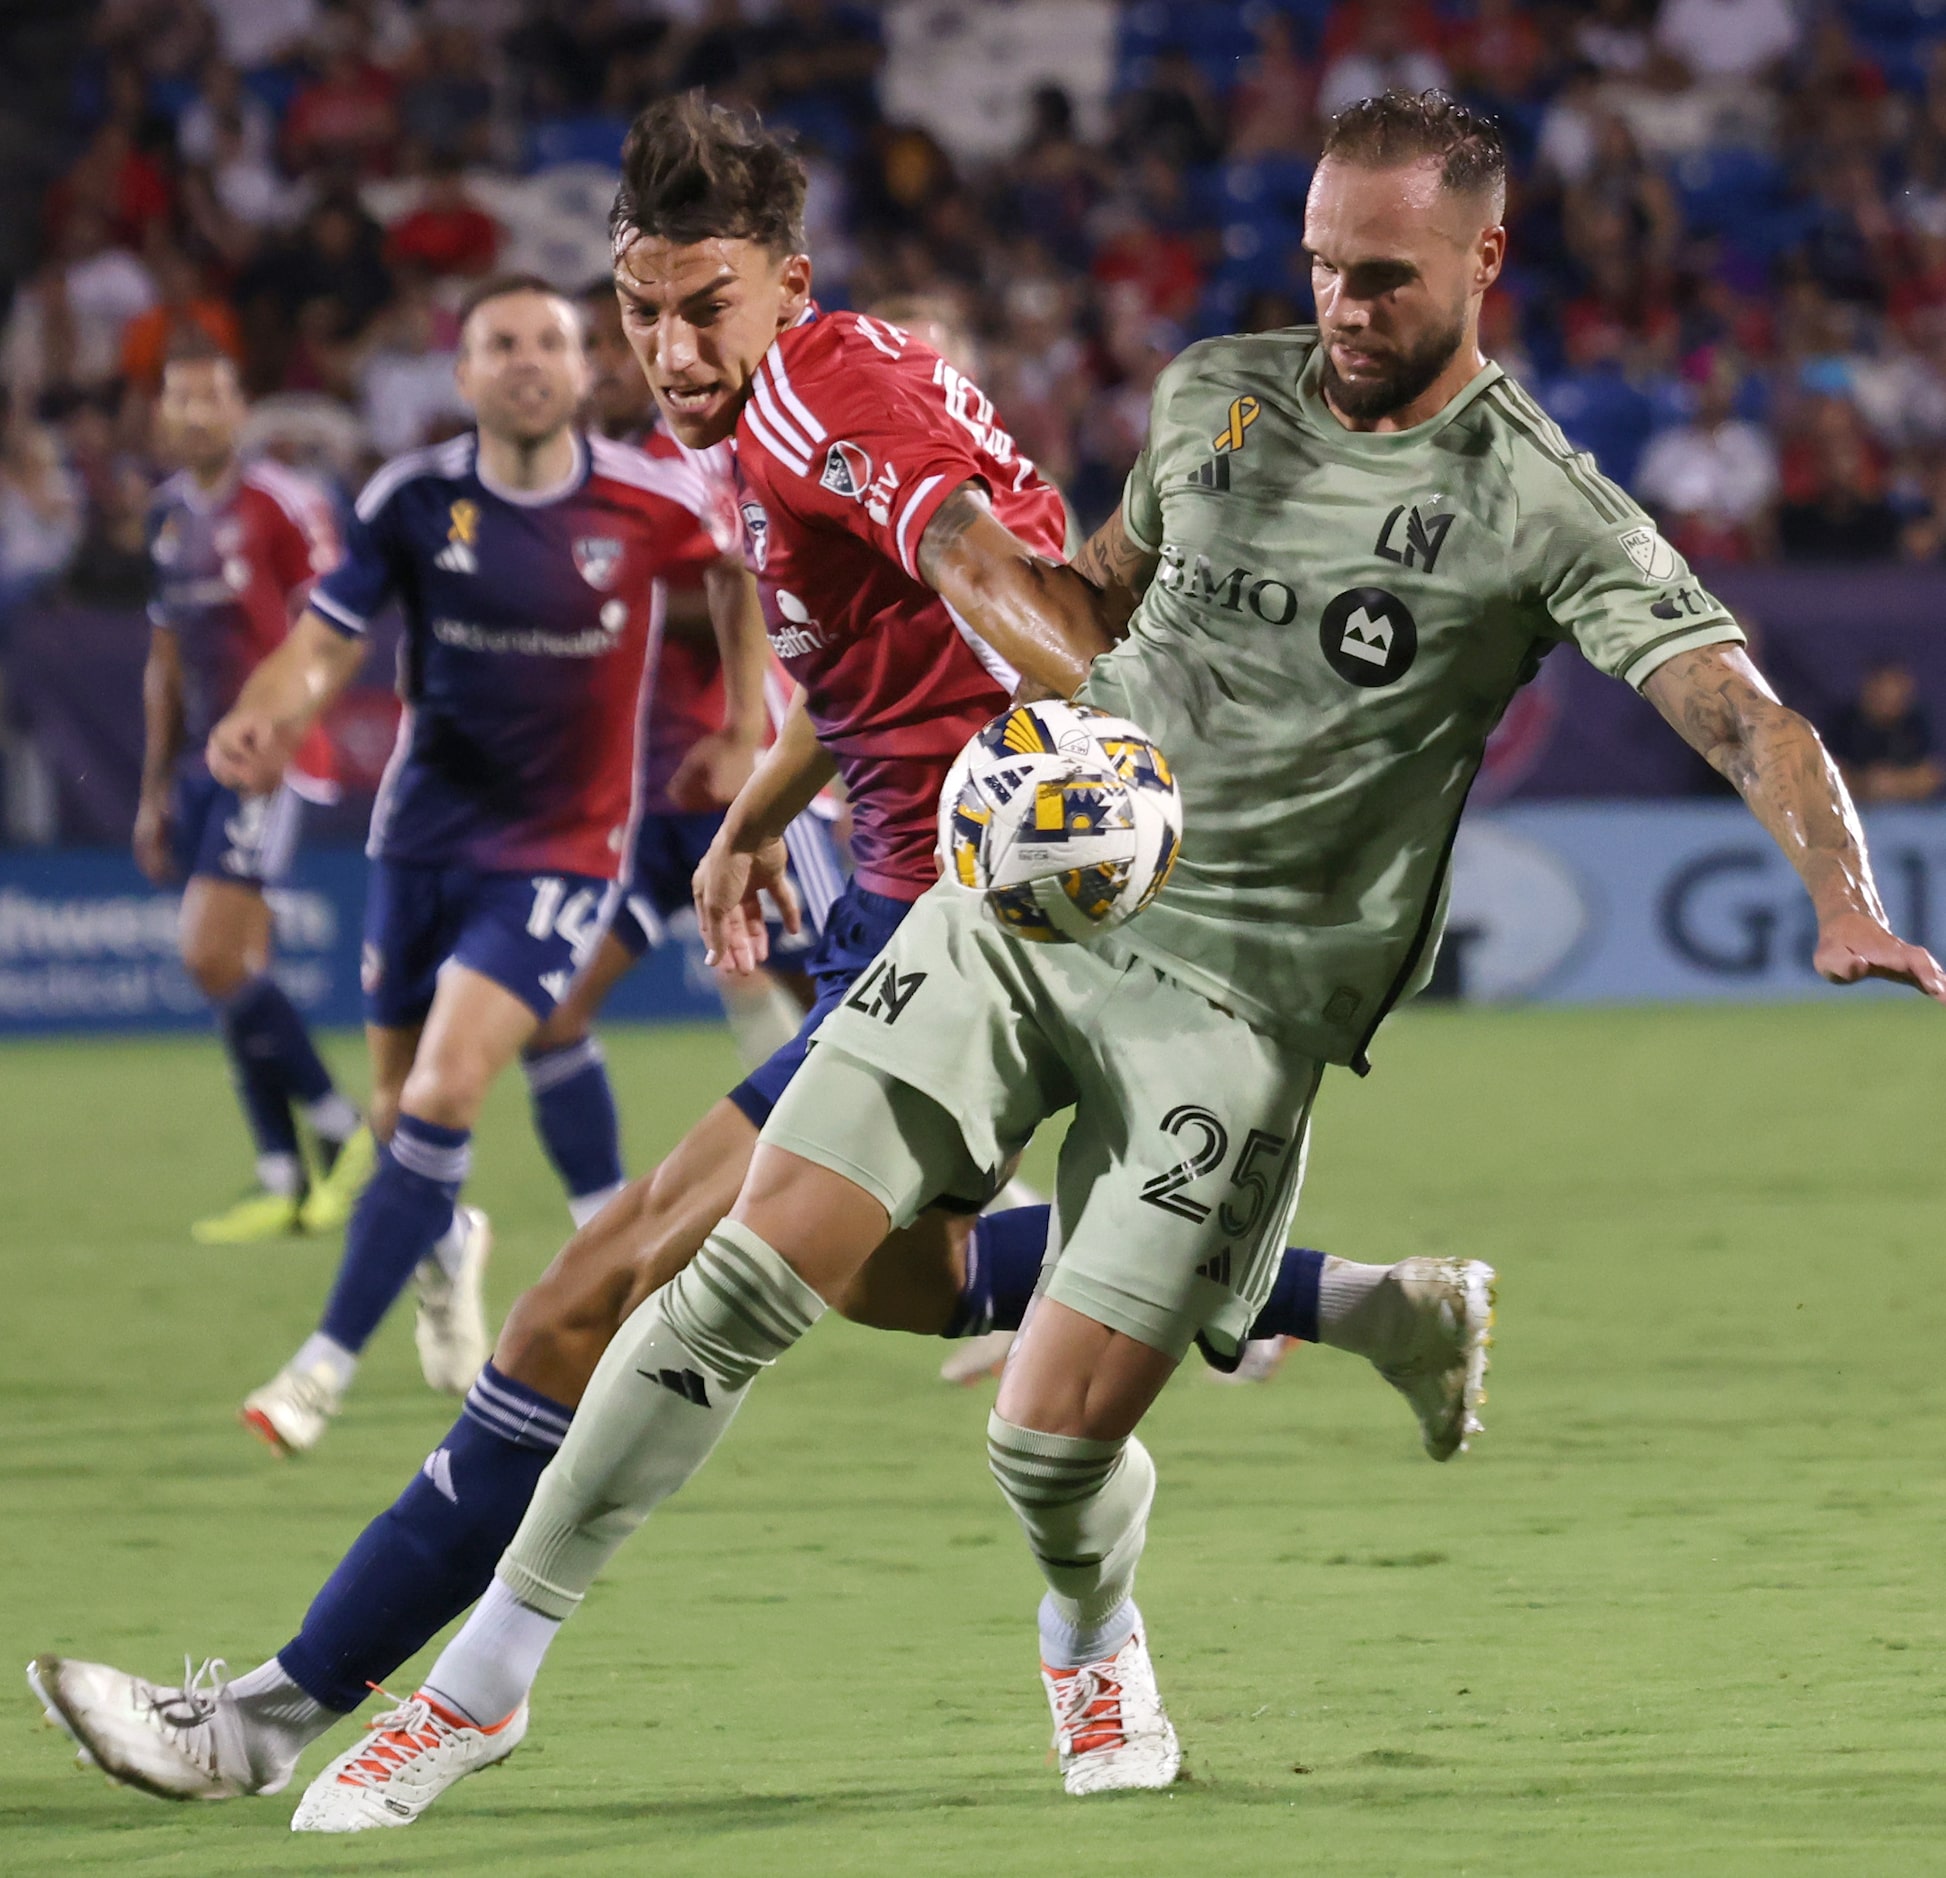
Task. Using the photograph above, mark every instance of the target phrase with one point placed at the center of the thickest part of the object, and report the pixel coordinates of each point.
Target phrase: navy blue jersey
(529, 619)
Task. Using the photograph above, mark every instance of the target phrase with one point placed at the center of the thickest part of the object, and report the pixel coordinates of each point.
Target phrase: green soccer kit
(1337, 622)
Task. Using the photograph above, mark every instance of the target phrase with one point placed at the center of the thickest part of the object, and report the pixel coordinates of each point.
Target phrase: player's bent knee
(447, 1093)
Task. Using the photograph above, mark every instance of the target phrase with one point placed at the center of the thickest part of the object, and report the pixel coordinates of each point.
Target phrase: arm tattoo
(950, 521)
(1111, 560)
(1775, 761)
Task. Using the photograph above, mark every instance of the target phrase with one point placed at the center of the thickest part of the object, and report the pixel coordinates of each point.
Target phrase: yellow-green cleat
(255, 1219)
(335, 1189)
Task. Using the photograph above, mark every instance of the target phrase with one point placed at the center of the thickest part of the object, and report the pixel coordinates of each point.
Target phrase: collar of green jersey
(1318, 417)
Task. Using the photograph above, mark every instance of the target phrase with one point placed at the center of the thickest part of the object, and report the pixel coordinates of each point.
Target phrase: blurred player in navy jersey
(708, 719)
(524, 556)
(235, 548)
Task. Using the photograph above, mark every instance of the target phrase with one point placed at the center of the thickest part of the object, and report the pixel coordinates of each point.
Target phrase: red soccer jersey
(232, 571)
(854, 436)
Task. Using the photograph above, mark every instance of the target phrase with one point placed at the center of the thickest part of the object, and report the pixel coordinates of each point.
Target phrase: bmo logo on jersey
(1368, 636)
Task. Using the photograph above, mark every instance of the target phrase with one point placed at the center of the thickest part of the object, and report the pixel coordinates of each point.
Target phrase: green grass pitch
(1679, 1612)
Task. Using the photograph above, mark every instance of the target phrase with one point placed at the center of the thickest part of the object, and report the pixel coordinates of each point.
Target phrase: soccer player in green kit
(1339, 555)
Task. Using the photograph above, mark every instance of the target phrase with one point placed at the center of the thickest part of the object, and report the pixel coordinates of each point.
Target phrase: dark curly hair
(696, 171)
(1398, 128)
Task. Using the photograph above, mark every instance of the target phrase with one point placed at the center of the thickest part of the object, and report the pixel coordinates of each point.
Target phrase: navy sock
(269, 1029)
(1003, 1265)
(256, 1067)
(432, 1552)
(399, 1219)
(574, 1115)
(1291, 1310)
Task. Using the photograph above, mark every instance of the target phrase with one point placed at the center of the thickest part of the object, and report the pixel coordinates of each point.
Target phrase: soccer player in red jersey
(890, 508)
(708, 721)
(236, 547)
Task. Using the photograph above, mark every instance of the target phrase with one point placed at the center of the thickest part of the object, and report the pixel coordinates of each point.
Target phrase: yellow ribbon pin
(1243, 413)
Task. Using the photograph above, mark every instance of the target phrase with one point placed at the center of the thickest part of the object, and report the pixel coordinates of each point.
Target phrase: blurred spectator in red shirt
(123, 182)
(187, 306)
(1499, 52)
(448, 233)
(1270, 110)
(348, 114)
(1835, 508)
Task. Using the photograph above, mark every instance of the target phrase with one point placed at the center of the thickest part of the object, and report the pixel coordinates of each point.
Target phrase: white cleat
(976, 1358)
(173, 1743)
(293, 1409)
(1109, 1724)
(451, 1328)
(407, 1760)
(1432, 1328)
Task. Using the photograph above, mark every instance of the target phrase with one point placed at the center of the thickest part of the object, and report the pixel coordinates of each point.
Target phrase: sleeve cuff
(913, 516)
(1135, 534)
(335, 614)
(1658, 652)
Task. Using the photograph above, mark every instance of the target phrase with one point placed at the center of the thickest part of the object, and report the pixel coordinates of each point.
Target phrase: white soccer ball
(1064, 819)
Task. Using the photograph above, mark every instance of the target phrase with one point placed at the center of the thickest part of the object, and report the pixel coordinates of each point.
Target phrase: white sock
(321, 1352)
(450, 1247)
(275, 1720)
(280, 1174)
(763, 1016)
(1067, 1645)
(332, 1117)
(487, 1670)
(582, 1207)
(1342, 1288)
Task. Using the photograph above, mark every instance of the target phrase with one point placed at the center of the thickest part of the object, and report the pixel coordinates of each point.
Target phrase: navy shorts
(667, 851)
(216, 832)
(855, 931)
(527, 932)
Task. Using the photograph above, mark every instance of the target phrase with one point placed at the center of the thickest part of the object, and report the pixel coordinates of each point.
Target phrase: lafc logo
(462, 536)
(1423, 537)
(885, 991)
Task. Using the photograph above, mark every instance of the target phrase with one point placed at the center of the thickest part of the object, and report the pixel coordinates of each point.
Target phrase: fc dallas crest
(597, 557)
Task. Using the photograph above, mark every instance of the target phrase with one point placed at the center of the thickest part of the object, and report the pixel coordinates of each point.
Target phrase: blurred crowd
(1728, 273)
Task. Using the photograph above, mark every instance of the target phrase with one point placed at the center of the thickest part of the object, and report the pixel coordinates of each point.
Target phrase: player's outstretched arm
(161, 743)
(748, 854)
(1048, 622)
(1720, 703)
(280, 700)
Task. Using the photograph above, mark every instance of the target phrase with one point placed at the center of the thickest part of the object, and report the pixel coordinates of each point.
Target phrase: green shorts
(1179, 1172)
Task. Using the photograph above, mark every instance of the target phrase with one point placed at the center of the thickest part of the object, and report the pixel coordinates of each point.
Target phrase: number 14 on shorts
(573, 916)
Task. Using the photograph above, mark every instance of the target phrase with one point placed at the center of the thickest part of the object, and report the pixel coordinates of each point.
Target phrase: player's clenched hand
(151, 843)
(728, 886)
(248, 751)
(1852, 946)
(711, 772)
